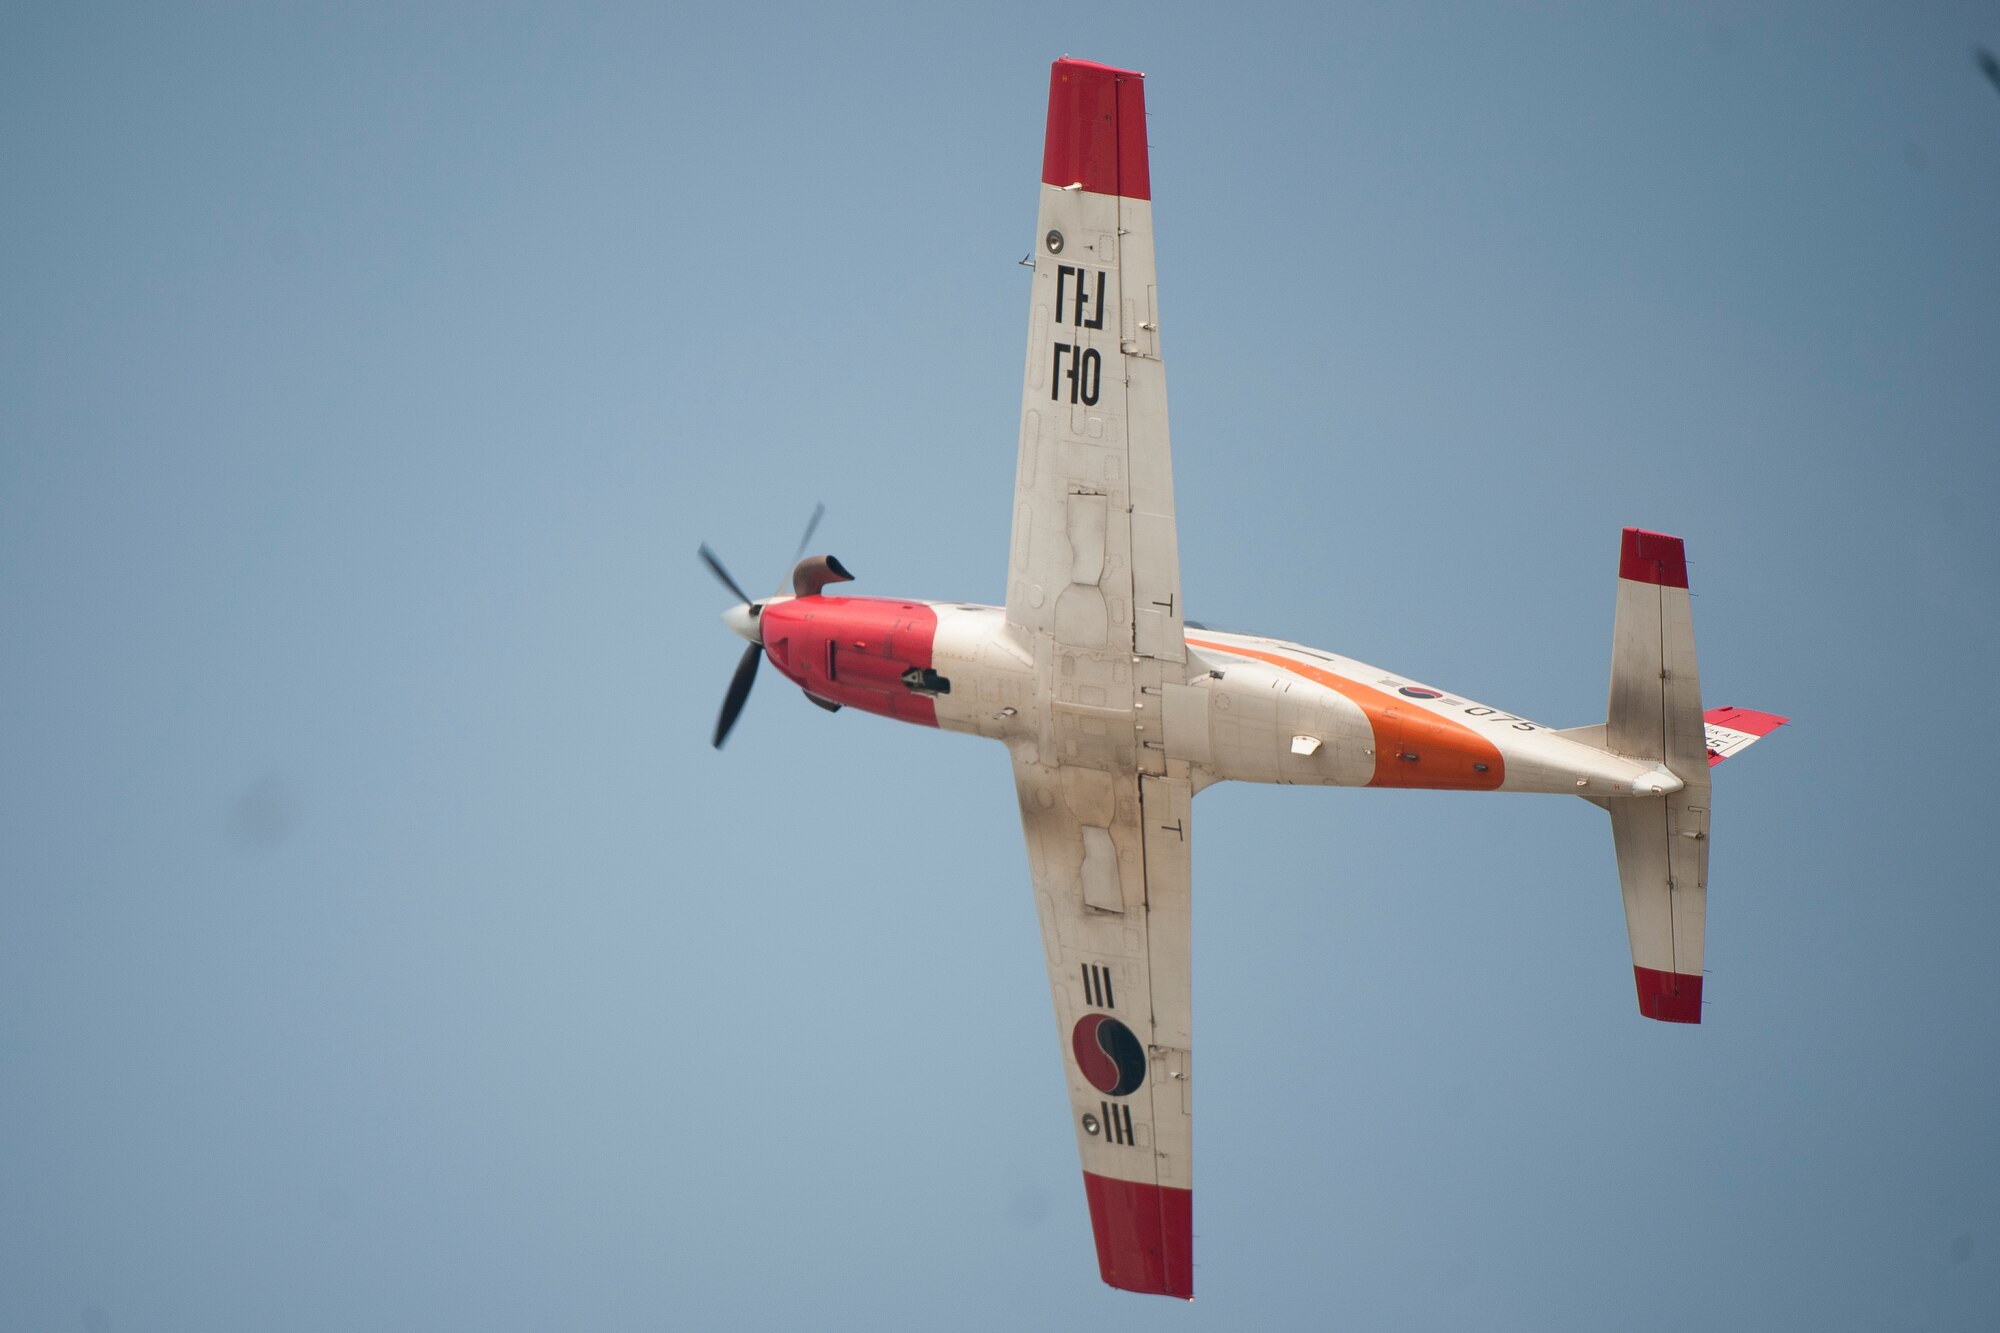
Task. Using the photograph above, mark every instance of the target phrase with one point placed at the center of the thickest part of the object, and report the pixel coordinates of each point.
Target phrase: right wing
(1109, 860)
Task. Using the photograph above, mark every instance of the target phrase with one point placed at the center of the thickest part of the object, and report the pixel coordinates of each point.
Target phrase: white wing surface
(1095, 560)
(1093, 591)
(1109, 860)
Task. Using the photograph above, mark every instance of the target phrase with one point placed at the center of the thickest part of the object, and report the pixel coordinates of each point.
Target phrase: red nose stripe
(1145, 1235)
(855, 651)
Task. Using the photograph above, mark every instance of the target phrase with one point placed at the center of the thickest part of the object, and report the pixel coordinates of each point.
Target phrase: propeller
(739, 690)
(715, 568)
(743, 619)
(812, 526)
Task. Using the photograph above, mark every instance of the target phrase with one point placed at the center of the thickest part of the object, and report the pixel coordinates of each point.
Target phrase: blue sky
(381, 945)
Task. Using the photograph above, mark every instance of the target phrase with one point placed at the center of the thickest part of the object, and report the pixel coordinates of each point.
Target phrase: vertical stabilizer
(1655, 714)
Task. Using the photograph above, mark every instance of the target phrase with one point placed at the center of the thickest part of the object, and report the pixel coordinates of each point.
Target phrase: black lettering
(1098, 322)
(1077, 304)
(1093, 372)
(1055, 376)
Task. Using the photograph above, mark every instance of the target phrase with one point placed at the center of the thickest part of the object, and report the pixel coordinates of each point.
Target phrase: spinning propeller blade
(743, 619)
(812, 526)
(739, 690)
(715, 568)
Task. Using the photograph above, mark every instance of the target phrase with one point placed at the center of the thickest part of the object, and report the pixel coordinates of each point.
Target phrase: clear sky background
(383, 947)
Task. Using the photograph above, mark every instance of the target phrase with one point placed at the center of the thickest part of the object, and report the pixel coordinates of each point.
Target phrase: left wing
(1095, 561)
(1109, 858)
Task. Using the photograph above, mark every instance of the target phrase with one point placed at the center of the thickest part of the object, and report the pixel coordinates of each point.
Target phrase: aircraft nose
(742, 621)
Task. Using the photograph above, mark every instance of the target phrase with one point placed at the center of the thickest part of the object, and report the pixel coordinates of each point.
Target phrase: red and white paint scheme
(1116, 710)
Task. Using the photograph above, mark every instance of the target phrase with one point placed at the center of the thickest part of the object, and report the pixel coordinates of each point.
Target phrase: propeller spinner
(808, 577)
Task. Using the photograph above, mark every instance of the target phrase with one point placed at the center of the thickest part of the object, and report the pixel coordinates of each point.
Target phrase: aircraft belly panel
(993, 691)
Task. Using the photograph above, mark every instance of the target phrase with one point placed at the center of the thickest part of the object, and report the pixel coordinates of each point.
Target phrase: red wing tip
(1653, 557)
(1071, 63)
(1097, 130)
(1670, 997)
(1145, 1235)
(1746, 720)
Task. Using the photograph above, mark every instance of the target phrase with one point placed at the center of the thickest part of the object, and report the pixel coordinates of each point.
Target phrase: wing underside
(1109, 860)
(1095, 562)
(1093, 591)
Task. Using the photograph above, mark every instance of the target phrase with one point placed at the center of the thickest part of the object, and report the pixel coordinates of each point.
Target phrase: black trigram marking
(1117, 1123)
(1097, 986)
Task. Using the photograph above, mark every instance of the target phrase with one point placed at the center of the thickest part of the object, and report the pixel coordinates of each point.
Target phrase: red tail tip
(1653, 557)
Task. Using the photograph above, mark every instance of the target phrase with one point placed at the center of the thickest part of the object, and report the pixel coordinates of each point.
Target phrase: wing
(1093, 589)
(1095, 561)
(1109, 860)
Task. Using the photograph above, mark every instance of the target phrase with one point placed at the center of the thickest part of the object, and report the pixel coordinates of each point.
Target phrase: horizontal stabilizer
(1663, 870)
(1655, 714)
(1733, 730)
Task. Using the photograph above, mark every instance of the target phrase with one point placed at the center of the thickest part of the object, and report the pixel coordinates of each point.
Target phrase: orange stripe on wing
(1414, 747)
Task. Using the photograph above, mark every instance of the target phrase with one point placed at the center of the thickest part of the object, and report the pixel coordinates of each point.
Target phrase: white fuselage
(1264, 710)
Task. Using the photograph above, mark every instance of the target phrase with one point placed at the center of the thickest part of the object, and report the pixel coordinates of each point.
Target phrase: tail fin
(1655, 714)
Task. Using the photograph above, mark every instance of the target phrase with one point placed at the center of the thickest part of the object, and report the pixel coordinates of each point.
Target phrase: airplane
(1117, 709)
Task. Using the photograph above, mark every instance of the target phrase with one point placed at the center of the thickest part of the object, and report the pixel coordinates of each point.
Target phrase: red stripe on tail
(1746, 720)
